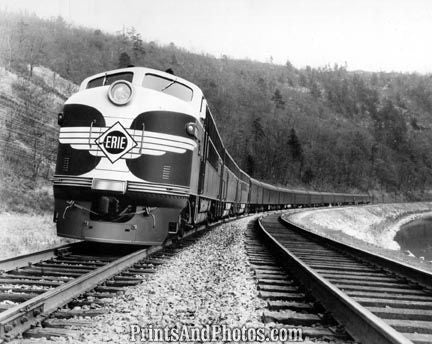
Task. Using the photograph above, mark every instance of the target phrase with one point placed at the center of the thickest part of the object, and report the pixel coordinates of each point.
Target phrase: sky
(370, 35)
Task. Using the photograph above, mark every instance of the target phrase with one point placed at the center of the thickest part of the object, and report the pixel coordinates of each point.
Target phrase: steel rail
(359, 322)
(36, 257)
(21, 317)
(420, 276)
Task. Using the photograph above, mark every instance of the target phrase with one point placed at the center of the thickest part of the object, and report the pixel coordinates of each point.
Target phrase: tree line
(319, 128)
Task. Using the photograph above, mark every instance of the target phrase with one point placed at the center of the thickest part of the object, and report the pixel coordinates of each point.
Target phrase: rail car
(140, 157)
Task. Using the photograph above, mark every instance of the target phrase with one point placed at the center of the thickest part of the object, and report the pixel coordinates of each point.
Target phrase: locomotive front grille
(72, 181)
(155, 188)
(120, 186)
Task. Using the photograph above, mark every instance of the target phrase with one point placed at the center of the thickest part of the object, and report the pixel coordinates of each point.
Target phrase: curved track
(376, 299)
(287, 301)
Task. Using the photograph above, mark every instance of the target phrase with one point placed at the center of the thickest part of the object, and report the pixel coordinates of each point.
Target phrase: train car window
(213, 157)
(213, 134)
(231, 165)
(168, 86)
(109, 79)
(217, 141)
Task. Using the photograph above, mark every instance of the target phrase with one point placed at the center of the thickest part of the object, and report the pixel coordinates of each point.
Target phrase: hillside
(28, 136)
(326, 128)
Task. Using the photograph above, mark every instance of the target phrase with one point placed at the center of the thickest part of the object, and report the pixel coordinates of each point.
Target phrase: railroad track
(67, 286)
(288, 303)
(376, 299)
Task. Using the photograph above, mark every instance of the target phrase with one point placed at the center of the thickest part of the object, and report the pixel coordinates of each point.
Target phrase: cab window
(109, 79)
(168, 86)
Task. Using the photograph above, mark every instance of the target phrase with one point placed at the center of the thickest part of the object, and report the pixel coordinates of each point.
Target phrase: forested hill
(325, 129)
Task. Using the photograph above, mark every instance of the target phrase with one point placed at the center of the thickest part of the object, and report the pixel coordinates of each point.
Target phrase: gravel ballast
(207, 283)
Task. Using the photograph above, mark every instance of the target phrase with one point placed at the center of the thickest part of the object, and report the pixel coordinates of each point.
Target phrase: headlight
(191, 129)
(120, 92)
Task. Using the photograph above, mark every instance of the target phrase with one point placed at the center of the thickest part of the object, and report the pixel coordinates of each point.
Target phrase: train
(140, 159)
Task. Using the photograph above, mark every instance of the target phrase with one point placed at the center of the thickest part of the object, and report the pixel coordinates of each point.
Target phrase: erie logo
(115, 142)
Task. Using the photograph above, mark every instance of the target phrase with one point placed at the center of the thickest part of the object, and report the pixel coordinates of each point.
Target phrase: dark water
(416, 236)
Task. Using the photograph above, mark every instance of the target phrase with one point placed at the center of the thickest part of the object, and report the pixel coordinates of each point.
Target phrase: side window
(213, 157)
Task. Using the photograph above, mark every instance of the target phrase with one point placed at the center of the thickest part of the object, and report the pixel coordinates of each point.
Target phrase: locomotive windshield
(171, 87)
(109, 79)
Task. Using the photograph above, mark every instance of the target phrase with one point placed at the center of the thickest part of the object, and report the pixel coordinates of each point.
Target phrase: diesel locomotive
(140, 157)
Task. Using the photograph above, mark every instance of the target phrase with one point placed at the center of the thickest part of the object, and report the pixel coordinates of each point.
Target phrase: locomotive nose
(167, 145)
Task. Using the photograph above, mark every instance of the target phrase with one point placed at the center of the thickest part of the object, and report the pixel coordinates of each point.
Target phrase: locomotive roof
(140, 72)
(138, 77)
